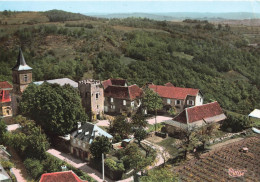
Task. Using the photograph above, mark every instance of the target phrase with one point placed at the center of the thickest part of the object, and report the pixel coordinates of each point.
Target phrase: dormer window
(25, 78)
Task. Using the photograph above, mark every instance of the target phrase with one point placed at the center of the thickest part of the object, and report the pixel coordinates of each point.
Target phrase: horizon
(126, 7)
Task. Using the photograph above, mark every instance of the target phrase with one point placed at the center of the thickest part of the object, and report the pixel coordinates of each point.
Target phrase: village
(137, 128)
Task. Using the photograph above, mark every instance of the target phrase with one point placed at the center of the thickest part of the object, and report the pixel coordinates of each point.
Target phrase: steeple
(21, 64)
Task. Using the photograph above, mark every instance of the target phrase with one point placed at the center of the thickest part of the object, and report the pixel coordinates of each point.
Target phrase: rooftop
(5, 85)
(64, 176)
(203, 112)
(172, 92)
(60, 81)
(20, 63)
(255, 113)
(123, 92)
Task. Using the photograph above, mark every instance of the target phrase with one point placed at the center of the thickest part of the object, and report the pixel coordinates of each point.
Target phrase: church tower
(22, 77)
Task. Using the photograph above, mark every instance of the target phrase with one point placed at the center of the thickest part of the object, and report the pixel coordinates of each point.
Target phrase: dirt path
(213, 147)
(19, 170)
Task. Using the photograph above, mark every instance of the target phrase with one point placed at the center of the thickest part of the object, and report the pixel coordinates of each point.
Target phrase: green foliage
(34, 167)
(161, 174)
(100, 145)
(59, 15)
(138, 120)
(30, 142)
(134, 159)
(6, 164)
(2, 131)
(120, 126)
(57, 109)
(113, 165)
(151, 100)
(236, 123)
(140, 134)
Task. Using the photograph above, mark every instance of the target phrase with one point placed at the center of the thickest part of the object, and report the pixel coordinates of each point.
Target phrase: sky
(132, 6)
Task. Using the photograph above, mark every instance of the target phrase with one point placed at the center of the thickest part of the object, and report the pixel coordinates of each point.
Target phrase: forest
(215, 58)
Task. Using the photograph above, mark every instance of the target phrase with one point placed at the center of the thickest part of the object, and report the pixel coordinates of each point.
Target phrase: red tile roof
(201, 112)
(169, 84)
(173, 92)
(5, 85)
(65, 176)
(106, 83)
(114, 81)
(120, 92)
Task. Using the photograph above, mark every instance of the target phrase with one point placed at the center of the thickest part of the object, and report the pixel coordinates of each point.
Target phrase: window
(25, 78)
(132, 104)
(168, 101)
(111, 99)
(124, 102)
(177, 102)
(190, 102)
(113, 107)
(97, 95)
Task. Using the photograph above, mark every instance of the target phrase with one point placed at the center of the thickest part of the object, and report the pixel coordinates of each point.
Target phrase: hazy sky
(130, 6)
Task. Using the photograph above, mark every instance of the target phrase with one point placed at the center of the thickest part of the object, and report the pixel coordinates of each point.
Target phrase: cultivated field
(226, 164)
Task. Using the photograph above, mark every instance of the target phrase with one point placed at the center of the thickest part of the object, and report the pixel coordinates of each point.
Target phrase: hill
(183, 15)
(216, 58)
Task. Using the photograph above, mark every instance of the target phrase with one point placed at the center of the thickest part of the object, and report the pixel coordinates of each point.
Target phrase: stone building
(92, 95)
(120, 98)
(81, 139)
(5, 99)
(22, 77)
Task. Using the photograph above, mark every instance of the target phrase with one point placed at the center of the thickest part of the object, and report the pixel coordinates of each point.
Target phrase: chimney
(79, 131)
(79, 124)
(64, 168)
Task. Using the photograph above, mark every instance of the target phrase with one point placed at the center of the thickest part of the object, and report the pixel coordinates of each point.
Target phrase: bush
(235, 123)
(33, 167)
(6, 164)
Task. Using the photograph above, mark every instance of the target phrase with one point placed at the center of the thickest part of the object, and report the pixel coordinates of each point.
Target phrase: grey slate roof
(88, 132)
(60, 81)
(21, 64)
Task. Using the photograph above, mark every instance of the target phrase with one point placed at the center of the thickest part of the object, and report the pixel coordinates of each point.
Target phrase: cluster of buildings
(113, 97)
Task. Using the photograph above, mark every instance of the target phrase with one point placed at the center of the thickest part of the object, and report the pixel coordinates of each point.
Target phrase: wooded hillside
(214, 58)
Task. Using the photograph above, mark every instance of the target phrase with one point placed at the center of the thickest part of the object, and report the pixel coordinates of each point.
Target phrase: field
(226, 164)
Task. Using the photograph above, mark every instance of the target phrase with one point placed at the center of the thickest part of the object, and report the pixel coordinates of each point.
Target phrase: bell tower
(22, 77)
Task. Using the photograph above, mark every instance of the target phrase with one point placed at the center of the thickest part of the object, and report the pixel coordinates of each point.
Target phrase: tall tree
(138, 120)
(120, 126)
(57, 109)
(151, 101)
(100, 145)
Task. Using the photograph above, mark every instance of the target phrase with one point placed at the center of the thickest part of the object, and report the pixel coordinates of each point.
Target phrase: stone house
(120, 98)
(5, 99)
(92, 96)
(81, 139)
(194, 117)
(177, 97)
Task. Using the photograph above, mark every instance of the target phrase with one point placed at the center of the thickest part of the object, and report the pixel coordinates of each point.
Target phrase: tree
(100, 145)
(57, 109)
(2, 131)
(139, 135)
(152, 102)
(120, 126)
(190, 142)
(34, 167)
(236, 123)
(138, 120)
(161, 174)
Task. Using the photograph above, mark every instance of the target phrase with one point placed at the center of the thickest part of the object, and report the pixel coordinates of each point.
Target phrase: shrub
(236, 123)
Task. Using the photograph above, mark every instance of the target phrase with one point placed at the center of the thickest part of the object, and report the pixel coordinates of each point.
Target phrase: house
(177, 97)
(5, 99)
(4, 177)
(81, 139)
(92, 98)
(195, 116)
(64, 176)
(119, 97)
